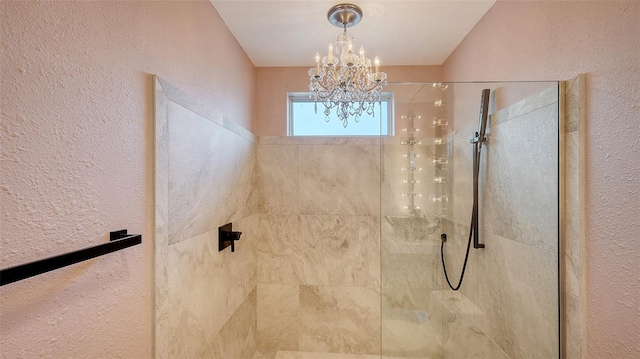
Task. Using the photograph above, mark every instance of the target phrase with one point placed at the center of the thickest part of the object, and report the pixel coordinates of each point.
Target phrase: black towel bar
(117, 240)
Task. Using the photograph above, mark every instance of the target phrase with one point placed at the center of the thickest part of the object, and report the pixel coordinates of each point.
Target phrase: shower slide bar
(117, 240)
(478, 139)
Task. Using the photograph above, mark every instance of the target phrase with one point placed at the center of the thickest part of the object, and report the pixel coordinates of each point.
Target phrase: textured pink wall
(273, 83)
(77, 158)
(538, 40)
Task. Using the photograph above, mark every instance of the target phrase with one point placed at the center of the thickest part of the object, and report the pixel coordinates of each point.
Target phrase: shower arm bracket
(476, 138)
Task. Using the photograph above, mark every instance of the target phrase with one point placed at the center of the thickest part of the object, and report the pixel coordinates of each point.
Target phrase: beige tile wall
(319, 258)
(509, 297)
(210, 174)
(205, 303)
(573, 248)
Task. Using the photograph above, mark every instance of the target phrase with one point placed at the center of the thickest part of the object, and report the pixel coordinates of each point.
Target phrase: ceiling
(288, 33)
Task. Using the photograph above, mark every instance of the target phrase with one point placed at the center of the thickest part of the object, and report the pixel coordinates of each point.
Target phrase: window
(303, 121)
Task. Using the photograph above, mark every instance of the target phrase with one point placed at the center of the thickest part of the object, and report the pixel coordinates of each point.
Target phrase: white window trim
(304, 97)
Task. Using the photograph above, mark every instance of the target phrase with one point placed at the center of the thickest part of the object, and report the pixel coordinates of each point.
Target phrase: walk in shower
(508, 303)
(340, 253)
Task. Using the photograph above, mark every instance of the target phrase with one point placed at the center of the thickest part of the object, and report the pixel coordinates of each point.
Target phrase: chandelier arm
(333, 90)
(375, 84)
(329, 77)
(333, 75)
(322, 85)
(361, 73)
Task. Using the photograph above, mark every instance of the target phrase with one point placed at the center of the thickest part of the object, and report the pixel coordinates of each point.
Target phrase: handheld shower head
(484, 112)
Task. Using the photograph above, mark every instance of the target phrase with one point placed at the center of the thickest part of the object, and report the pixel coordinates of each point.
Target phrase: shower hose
(466, 257)
(472, 229)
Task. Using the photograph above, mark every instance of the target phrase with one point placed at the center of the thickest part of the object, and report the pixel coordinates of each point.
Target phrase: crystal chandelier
(343, 80)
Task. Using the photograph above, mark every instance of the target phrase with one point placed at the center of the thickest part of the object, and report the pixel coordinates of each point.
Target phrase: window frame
(296, 97)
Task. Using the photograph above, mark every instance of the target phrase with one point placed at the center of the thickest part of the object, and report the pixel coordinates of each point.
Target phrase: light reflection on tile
(395, 192)
(461, 165)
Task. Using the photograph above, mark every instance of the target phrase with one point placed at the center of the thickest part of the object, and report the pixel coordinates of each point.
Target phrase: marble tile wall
(161, 200)
(237, 338)
(205, 303)
(278, 321)
(573, 248)
(318, 261)
(339, 319)
(509, 298)
(461, 337)
(210, 175)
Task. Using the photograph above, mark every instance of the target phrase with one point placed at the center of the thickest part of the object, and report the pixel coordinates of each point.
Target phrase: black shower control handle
(233, 237)
(227, 237)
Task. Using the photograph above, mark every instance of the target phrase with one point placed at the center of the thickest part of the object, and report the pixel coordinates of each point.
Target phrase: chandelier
(343, 80)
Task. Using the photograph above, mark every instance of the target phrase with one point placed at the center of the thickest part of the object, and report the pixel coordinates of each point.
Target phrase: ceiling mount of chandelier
(345, 80)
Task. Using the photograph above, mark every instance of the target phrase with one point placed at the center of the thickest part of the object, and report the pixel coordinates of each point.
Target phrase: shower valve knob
(227, 237)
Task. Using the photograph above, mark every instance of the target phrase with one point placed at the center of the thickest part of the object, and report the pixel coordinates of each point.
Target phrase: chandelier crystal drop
(346, 80)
